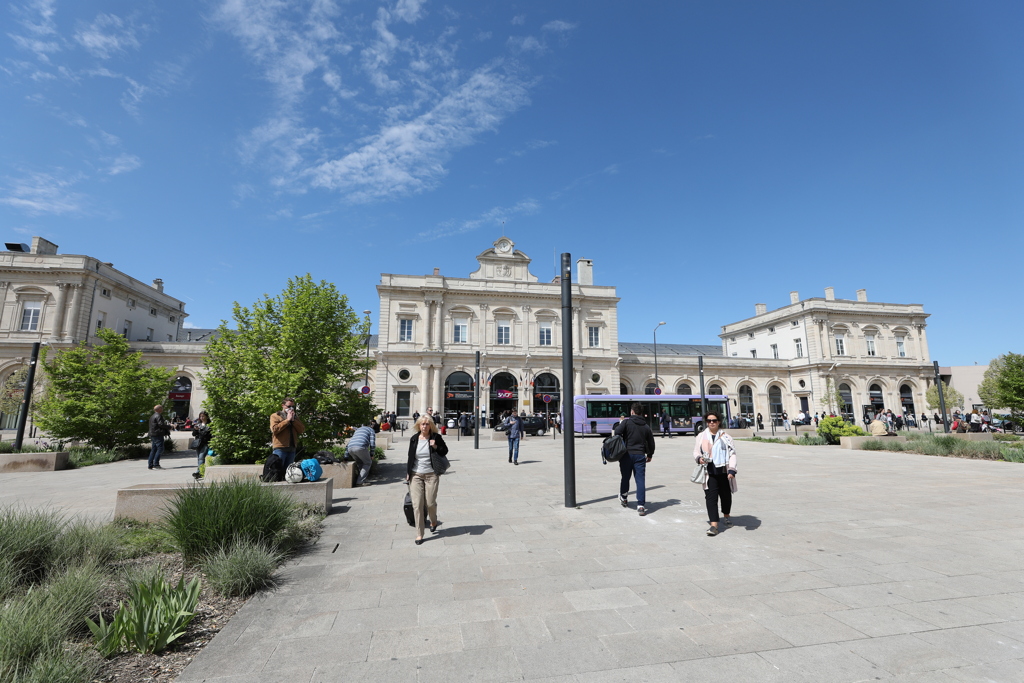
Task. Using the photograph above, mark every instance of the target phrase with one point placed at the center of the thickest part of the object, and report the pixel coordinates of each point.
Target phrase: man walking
(639, 440)
(361, 447)
(666, 423)
(514, 423)
(158, 430)
(285, 428)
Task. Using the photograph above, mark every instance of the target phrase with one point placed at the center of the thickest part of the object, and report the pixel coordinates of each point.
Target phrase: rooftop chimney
(862, 295)
(830, 294)
(794, 297)
(437, 271)
(43, 246)
(760, 309)
(585, 271)
(158, 285)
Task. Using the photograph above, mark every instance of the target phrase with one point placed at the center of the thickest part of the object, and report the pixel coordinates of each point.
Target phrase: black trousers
(718, 487)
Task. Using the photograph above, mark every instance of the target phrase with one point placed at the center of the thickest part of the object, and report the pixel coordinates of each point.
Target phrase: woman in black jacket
(423, 472)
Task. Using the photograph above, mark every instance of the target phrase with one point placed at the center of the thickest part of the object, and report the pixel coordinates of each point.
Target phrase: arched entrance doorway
(504, 395)
(846, 403)
(875, 397)
(458, 394)
(747, 402)
(546, 384)
(181, 398)
(775, 404)
(907, 399)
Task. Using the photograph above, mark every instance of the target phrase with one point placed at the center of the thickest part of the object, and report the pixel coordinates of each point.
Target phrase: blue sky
(706, 155)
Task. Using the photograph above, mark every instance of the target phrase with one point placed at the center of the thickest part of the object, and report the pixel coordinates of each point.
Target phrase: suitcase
(410, 515)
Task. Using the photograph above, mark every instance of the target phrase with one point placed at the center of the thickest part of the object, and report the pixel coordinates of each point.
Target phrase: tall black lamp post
(369, 324)
(657, 382)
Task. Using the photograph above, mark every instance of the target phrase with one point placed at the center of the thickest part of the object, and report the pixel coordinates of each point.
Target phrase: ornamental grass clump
(29, 541)
(206, 517)
(243, 569)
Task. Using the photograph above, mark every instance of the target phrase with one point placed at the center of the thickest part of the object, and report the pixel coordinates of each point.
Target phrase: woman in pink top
(714, 448)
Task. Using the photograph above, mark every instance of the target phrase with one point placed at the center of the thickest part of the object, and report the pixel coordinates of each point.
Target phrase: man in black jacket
(639, 440)
(158, 430)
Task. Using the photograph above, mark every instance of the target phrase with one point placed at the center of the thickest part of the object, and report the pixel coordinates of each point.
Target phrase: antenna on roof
(503, 228)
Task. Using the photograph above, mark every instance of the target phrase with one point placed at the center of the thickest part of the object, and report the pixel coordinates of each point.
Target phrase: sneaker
(640, 511)
(623, 501)
(712, 531)
(157, 467)
(510, 459)
(516, 463)
(728, 522)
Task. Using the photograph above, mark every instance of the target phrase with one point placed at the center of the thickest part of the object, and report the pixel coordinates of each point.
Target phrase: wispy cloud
(610, 169)
(558, 26)
(38, 30)
(107, 35)
(494, 216)
(407, 157)
(124, 163)
(526, 149)
(39, 193)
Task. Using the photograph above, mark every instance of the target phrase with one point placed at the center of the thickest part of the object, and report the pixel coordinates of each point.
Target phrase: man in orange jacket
(285, 428)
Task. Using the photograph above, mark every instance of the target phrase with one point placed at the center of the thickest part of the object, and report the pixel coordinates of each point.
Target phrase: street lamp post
(366, 379)
(657, 382)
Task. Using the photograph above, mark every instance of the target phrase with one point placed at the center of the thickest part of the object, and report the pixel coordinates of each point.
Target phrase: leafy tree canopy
(304, 344)
(100, 394)
(1003, 385)
(954, 399)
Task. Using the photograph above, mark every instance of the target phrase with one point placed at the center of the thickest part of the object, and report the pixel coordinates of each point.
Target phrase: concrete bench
(343, 473)
(149, 502)
(855, 442)
(33, 462)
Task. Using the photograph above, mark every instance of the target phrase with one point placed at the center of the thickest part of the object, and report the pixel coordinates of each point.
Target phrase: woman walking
(426, 448)
(201, 437)
(714, 449)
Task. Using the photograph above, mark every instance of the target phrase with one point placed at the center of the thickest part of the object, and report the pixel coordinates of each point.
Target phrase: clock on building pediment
(503, 246)
(503, 262)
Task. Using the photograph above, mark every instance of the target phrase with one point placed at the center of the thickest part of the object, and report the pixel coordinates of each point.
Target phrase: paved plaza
(842, 566)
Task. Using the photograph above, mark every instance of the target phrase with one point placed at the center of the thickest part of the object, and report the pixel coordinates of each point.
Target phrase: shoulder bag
(438, 462)
(700, 472)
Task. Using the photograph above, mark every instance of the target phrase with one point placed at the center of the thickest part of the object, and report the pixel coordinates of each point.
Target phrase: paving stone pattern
(842, 566)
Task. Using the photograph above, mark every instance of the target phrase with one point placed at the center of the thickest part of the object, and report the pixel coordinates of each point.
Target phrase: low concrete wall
(148, 502)
(343, 474)
(854, 442)
(224, 472)
(33, 462)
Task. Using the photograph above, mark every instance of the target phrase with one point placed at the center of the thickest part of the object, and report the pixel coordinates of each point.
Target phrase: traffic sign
(365, 390)
(657, 391)
(547, 398)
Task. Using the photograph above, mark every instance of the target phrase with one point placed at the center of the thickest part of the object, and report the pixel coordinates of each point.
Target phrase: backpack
(311, 469)
(272, 469)
(613, 448)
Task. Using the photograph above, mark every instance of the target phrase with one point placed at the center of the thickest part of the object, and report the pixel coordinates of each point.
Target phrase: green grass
(143, 538)
(805, 439)
(946, 445)
(29, 540)
(243, 569)
(1006, 437)
(206, 517)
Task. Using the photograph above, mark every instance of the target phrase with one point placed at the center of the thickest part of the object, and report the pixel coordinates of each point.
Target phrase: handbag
(194, 444)
(438, 461)
(700, 475)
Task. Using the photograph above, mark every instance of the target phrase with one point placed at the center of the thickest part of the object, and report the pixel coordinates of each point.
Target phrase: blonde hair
(428, 420)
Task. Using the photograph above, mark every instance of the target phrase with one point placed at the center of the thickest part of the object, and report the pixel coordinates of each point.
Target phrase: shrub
(206, 517)
(85, 456)
(764, 439)
(60, 665)
(85, 542)
(831, 428)
(156, 615)
(872, 445)
(243, 569)
(28, 539)
(1012, 454)
(1006, 437)
(811, 440)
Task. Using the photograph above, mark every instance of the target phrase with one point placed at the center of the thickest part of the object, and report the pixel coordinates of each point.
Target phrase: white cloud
(106, 36)
(407, 157)
(409, 11)
(124, 163)
(39, 193)
(526, 44)
(39, 34)
(526, 149)
(559, 26)
(519, 20)
(495, 216)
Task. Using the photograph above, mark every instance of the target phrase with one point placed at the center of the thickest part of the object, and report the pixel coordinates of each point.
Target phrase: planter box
(343, 473)
(225, 472)
(33, 462)
(854, 442)
(148, 502)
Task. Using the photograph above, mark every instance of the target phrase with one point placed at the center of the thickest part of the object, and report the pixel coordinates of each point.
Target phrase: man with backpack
(639, 441)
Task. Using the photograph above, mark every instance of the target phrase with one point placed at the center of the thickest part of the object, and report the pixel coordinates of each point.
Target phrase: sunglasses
(712, 421)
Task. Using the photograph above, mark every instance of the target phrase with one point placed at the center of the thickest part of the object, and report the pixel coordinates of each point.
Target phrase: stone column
(74, 318)
(430, 324)
(60, 312)
(425, 390)
(439, 327)
(3, 298)
(438, 399)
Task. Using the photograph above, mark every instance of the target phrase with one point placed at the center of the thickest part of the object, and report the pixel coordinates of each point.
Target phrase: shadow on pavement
(748, 522)
(655, 506)
(475, 530)
(613, 497)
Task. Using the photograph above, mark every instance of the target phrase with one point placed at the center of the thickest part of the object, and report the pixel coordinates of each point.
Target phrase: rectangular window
(795, 323)
(404, 399)
(460, 331)
(105, 292)
(753, 353)
(30, 314)
(545, 334)
(750, 335)
(101, 320)
(127, 330)
(169, 338)
(799, 343)
(870, 340)
(149, 334)
(131, 303)
(775, 351)
(152, 311)
(840, 345)
(594, 333)
(405, 330)
(504, 333)
(901, 347)
(771, 330)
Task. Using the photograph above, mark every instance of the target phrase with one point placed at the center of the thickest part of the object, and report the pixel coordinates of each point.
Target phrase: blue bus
(598, 413)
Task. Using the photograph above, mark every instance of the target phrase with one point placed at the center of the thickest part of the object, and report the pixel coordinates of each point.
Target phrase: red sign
(179, 395)
(504, 393)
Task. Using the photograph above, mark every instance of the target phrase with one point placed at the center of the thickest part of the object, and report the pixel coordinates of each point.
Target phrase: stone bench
(343, 473)
(149, 502)
(33, 462)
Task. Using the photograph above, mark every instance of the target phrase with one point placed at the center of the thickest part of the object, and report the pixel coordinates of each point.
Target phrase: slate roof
(670, 349)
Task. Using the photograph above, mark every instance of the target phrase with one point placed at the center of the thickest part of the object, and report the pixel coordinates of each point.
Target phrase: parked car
(534, 426)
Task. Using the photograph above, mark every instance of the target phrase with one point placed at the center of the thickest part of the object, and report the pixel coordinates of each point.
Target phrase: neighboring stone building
(430, 326)
(62, 299)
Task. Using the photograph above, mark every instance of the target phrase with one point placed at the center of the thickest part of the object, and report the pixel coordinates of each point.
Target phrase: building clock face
(504, 246)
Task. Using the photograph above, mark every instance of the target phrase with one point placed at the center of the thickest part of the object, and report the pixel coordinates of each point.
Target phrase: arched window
(746, 401)
(623, 390)
(775, 404)
(715, 390)
(459, 381)
(649, 389)
(846, 401)
(683, 388)
(875, 397)
(907, 399)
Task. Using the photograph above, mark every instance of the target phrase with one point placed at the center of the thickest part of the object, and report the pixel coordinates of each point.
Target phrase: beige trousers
(423, 488)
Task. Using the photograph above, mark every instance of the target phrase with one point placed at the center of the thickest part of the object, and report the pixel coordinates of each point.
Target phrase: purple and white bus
(598, 413)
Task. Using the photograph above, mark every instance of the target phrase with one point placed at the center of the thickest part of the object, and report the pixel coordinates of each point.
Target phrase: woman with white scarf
(714, 449)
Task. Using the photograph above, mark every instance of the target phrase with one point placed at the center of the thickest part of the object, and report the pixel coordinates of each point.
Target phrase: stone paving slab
(841, 566)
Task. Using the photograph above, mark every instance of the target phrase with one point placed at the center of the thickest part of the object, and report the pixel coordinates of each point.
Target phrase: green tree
(304, 344)
(1009, 385)
(988, 390)
(100, 394)
(954, 399)
(833, 399)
